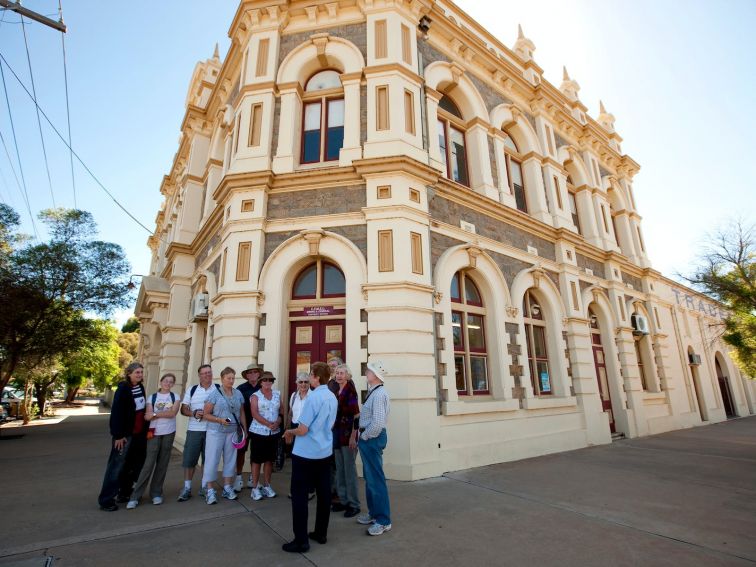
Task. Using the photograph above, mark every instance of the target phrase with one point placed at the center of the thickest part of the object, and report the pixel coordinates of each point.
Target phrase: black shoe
(320, 539)
(122, 499)
(294, 547)
(351, 512)
(109, 507)
(338, 507)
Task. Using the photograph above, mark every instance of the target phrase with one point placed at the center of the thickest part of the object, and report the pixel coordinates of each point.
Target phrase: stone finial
(523, 46)
(216, 54)
(569, 87)
(605, 118)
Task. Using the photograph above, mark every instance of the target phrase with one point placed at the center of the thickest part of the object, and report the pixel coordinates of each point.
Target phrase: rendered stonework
(476, 232)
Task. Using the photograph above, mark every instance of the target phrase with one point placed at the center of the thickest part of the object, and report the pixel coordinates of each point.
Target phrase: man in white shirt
(193, 406)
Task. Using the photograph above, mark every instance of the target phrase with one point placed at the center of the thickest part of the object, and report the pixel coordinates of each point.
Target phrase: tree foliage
(46, 288)
(131, 326)
(128, 345)
(727, 272)
(96, 361)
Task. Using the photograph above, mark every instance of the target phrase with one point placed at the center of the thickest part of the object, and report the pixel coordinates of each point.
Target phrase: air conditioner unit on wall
(694, 359)
(639, 323)
(199, 305)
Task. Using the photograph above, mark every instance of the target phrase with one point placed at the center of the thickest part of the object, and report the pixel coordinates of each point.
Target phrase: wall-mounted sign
(318, 310)
(695, 304)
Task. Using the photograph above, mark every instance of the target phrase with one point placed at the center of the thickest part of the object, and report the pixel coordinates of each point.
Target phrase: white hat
(378, 369)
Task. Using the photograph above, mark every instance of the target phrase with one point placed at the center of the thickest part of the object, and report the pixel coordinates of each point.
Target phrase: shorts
(262, 448)
(194, 446)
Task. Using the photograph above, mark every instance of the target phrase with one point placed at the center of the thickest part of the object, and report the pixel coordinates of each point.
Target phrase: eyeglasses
(268, 380)
(303, 382)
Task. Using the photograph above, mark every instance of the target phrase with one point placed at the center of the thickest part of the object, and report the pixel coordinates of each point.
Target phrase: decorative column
(625, 236)
(481, 179)
(291, 111)
(434, 150)
(352, 149)
(533, 178)
(632, 382)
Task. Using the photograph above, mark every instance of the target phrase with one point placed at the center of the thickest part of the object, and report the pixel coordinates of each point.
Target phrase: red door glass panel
(312, 341)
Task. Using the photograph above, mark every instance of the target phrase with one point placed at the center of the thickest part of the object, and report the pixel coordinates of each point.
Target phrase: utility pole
(17, 7)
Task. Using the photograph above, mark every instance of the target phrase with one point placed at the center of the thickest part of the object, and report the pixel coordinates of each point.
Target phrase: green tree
(46, 288)
(131, 326)
(96, 361)
(128, 346)
(727, 271)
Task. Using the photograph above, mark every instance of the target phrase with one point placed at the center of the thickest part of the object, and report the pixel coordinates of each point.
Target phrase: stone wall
(314, 202)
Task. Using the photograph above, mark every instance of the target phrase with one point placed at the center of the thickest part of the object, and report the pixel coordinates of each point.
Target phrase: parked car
(3, 414)
(11, 401)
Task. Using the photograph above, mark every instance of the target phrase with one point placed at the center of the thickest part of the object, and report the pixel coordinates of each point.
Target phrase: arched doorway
(724, 387)
(599, 362)
(316, 317)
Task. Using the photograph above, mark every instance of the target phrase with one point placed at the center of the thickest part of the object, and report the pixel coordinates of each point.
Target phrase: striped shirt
(374, 413)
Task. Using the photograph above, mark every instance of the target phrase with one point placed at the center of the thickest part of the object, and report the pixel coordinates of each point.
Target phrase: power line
(15, 142)
(84, 165)
(39, 121)
(68, 111)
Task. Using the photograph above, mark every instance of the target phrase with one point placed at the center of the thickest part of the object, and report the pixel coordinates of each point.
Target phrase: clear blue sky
(679, 76)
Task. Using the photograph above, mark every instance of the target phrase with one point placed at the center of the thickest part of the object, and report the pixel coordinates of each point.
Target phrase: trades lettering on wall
(695, 304)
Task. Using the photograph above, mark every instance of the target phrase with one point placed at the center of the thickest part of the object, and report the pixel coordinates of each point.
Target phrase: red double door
(603, 383)
(313, 341)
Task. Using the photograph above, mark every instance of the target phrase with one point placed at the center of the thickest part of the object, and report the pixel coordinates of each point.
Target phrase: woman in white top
(161, 411)
(265, 406)
(297, 399)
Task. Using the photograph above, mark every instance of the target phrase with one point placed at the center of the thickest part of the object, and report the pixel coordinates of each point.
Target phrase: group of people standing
(324, 423)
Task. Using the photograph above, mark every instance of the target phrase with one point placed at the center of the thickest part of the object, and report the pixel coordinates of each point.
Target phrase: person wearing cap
(264, 432)
(310, 461)
(372, 442)
(252, 375)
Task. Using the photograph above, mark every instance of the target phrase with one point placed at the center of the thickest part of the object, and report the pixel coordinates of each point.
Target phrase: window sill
(548, 402)
(474, 404)
(654, 397)
(316, 165)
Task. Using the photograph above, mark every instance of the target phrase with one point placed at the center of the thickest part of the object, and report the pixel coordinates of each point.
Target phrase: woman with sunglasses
(265, 406)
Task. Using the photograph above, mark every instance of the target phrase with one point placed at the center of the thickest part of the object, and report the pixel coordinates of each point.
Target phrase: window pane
(306, 282)
(509, 143)
(447, 104)
(335, 113)
(459, 159)
(478, 373)
(471, 293)
(475, 333)
(539, 340)
(455, 287)
(333, 281)
(515, 170)
(457, 330)
(312, 116)
(459, 371)
(544, 380)
(520, 202)
(334, 139)
(323, 80)
(442, 140)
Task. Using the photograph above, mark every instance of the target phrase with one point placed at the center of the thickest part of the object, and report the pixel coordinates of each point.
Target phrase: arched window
(322, 117)
(468, 329)
(572, 200)
(535, 336)
(319, 280)
(514, 173)
(451, 141)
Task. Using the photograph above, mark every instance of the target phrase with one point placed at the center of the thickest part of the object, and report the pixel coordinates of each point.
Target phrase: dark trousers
(305, 473)
(111, 482)
(133, 464)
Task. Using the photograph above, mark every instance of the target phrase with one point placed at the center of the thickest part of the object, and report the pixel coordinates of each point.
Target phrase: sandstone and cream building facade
(385, 179)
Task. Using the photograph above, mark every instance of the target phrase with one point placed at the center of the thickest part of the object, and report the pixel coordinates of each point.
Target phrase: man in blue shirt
(311, 460)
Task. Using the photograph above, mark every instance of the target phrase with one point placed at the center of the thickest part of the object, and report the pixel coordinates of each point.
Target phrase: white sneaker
(211, 498)
(230, 494)
(238, 483)
(256, 494)
(378, 529)
(132, 504)
(365, 519)
(157, 501)
(268, 492)
(250, 483)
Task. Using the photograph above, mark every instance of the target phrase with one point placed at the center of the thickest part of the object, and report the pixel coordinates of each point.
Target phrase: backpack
(154, 398)
(194, 389)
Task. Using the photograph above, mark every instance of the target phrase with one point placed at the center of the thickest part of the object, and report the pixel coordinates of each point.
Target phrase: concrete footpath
(685, 498)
